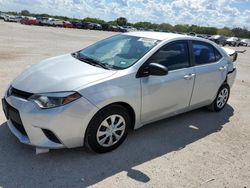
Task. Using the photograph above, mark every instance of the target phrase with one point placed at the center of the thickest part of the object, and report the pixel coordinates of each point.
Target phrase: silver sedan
(92, 97)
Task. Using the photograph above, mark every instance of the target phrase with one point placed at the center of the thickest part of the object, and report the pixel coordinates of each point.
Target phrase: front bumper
(67, 124)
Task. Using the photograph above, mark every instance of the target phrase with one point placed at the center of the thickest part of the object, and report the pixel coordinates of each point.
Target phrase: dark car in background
(192, 34)
(77, 25)
(201, 36)
(122, 29)
(114, 28)
(80, 25)
(105, 27)
(94, 26)
(218, 39)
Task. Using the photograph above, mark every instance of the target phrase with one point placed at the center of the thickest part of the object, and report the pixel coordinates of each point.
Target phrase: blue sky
(219, 13)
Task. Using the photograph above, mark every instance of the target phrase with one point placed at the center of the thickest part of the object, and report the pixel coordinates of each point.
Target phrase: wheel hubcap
(222, 98)
(111, 130)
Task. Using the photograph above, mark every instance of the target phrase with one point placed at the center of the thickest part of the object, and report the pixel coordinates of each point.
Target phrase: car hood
(62, 73)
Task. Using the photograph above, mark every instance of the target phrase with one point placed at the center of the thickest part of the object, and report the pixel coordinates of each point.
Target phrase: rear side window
(205, 53)
(217, 54)
(174, 56)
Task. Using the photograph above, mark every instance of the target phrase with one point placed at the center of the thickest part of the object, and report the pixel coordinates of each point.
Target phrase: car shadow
(20, 166)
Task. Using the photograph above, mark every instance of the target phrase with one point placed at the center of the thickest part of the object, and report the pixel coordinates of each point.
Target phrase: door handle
(189, 76)
(223, 68)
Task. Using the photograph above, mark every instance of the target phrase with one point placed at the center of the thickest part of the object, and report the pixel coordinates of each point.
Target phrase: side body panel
(122, 87)
(208, 79)
(164, 95)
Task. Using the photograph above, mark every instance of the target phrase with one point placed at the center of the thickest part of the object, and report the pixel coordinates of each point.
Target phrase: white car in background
(10, 18)
(94, 96)
(55, 22)
(50, 21)
(233, 41)
(245, 42)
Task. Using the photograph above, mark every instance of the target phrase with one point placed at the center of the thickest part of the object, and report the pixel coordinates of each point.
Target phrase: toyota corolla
(92, 97)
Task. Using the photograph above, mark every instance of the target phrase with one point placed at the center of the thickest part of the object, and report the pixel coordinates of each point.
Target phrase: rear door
(210, 69)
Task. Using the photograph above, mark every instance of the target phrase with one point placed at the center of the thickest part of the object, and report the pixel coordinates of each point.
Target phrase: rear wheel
(221, 99)
(108, 129)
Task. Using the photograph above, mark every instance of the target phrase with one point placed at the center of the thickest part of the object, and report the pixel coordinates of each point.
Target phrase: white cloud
(217, 13)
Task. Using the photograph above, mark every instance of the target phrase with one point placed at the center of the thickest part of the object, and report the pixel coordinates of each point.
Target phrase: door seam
(192, 88)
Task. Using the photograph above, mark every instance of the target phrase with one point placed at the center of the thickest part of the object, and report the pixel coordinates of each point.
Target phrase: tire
(102, 123)
(221, 100)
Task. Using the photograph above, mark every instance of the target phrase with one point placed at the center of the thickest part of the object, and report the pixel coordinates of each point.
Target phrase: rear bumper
(55, 128)
(231, 77)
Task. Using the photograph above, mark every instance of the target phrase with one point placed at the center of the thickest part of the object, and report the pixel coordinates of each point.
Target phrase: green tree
(25, 13)
(181, 28)
(225, 31)
(94, 20)
(203, 30)
(240, 32)
(145, 25)
(165, 27)
(114, 23)
(121, 21)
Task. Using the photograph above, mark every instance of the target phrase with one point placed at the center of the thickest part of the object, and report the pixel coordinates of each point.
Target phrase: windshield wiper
(92, 61)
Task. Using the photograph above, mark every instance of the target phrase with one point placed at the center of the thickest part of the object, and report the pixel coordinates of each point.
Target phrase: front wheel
(108, 129)
(221, 99)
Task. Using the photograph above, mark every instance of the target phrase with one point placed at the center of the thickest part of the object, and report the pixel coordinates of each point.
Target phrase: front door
(168, 94)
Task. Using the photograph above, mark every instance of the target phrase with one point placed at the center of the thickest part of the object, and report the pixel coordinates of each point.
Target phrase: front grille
(19, 93)
(13, 115)
(51, 136)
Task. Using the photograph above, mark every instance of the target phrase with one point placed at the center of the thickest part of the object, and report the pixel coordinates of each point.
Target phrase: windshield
(118, 52)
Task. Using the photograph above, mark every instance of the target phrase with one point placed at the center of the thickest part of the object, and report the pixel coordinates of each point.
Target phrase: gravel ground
(195, 149)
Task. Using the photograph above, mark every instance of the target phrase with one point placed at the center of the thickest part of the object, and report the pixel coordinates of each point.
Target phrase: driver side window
(174, 56)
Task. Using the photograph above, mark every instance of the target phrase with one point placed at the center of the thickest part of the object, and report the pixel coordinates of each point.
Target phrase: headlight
(9, 91)
(51, 100)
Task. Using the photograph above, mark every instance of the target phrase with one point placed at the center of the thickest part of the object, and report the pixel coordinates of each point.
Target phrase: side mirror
(154, 69)
(157, 69)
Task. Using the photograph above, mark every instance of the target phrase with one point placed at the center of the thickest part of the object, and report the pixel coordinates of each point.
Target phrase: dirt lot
(195, 149)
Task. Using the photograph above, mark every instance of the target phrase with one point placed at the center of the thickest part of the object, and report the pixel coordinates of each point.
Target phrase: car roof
(157, 35)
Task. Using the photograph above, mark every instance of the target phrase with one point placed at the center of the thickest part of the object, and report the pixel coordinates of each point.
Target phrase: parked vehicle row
(46, 21)
(231, 41)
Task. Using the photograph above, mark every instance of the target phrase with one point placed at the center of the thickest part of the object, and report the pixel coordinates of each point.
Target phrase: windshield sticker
(123, 63)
